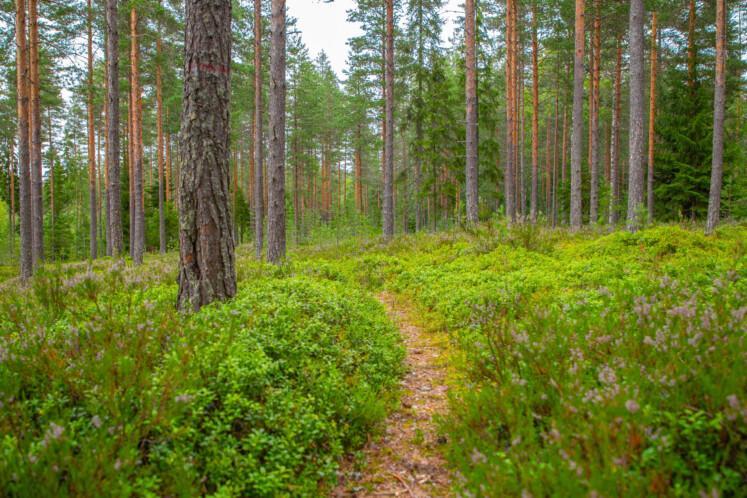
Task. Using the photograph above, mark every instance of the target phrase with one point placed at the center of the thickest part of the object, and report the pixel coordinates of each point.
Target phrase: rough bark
(652, 122)
(130, 171)
(52, 158)
(24, 173)
(167, 141)
(258, 160)
(719, 104)
(160, 152)
(535, 116)
(276, 165)
(388, 205)
(548, 170)
(594, 122)
(107, 224)
(637, 134)
(358, 172)
(564, 147)
(114, 231)
(419, 127)
(510, 103)
(12, 197)
(296, 164)
(206, 262)
(91, 143)
(615, 139)
(138, 232)
(471, 98)
(578, 118)
(37, 199)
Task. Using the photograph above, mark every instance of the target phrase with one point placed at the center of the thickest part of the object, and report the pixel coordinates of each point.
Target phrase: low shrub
(106, 390)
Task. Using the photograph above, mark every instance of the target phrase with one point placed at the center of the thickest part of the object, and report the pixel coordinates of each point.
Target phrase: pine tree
(577, 120)
(24, 169)
(471, 98)
(114, 221)
(93, 234)
(206, 264)
(388, 205)
(257, 139)
(635, 149)
(276, 165)
(652, 122)
(37, 198)
(719, 104)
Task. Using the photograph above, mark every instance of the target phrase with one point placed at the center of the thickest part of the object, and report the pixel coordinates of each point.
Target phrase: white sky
(324, 26)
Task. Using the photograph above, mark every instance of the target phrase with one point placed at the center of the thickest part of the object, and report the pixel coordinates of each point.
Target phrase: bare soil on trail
(406, 460)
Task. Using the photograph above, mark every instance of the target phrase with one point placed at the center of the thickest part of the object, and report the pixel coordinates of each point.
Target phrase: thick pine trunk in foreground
(276, 165)
(578, 118)
(388, 205)
(471, 97)
(91, 143)
(206, 262)
(114, 231)
(37, 199)
(24, 173)
(637, 137)
(719, 104)
(259, 216)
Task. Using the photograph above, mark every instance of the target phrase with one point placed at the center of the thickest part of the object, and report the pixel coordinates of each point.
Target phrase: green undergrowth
(587, 364)
(590, 364)
(105, 390)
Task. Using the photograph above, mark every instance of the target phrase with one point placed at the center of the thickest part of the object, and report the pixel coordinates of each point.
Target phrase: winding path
(406, 460)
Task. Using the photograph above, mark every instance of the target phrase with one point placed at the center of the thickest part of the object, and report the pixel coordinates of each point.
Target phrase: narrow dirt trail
(406, 460)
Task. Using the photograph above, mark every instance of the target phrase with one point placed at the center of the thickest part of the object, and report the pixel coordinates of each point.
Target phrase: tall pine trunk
(652, 122)
(37, 199)
(93, 234)
(114, 231)
(388, 205)
(24, 172)
(419, 125)
(471, 97)
(159, 152)
(276, 165)
(578, 118)
(615, 139)
(636, 139)
(594, 145)
(257, 139)
(138, 218)
(719, 104)
(358, 172)
(206, 256)
(535, 116)
(510, 103)
(12, 198)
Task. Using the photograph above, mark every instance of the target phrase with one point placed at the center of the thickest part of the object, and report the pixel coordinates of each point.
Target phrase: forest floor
(407, 459)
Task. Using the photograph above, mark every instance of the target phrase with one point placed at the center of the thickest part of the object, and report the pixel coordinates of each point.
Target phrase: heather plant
(594, 366)
(587, 364)
(105, 389)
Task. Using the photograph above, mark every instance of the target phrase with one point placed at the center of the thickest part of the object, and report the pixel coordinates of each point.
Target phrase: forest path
(406, 460)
